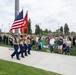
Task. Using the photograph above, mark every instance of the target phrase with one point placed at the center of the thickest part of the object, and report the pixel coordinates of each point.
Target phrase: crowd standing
(22, 44)
(62, 44)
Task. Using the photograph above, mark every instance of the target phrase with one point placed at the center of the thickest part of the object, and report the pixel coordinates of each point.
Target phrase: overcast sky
(49, 14)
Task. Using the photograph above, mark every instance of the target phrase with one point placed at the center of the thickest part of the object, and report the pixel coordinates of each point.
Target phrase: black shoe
(29, 53)
(11, 56)
(22, 56)
(18, 59)
(26, 55)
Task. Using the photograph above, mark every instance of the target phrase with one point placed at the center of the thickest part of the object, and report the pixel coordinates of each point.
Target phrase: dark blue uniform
(15, 45)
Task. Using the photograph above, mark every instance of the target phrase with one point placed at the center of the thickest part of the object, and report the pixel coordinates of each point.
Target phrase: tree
(0, 30)
(29, 27)
(57, 32)
(37, 29)
(73, 33)
(66, 29)
(46, 30)
(61, 30)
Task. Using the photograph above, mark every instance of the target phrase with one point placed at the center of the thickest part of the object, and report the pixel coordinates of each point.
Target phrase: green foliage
(1, 44)
(37, 29)
(61, 30)
(73, 33)
(66, 29)
(45, 32)
(29, 27)
(73, 51)
(11, 68)
(0, 31)
(56, 33)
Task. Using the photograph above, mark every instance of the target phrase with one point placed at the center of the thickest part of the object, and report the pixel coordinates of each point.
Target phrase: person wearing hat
(16, 46)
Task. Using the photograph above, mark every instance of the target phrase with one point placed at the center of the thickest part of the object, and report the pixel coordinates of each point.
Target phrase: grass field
(11, 68)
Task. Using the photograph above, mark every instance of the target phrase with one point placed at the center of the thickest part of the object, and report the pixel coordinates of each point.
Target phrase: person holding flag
(18, 22)
(21, 23)
(16, 46)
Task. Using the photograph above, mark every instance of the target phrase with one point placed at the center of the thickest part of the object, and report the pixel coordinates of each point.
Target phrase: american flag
(18, 22)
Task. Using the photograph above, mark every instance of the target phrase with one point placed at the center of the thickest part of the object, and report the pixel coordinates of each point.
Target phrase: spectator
(37, 39)
(6, 40)
(74, 42)
(64, 44)
(60, 44)
(0, 39)
(47, 41)
(52, 40)
(68, 45)
(11, 40)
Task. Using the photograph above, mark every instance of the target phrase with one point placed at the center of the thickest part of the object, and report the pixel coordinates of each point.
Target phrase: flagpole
(27, 25)
(16, 12)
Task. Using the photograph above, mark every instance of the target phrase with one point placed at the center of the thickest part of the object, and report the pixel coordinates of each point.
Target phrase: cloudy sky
(49, 14)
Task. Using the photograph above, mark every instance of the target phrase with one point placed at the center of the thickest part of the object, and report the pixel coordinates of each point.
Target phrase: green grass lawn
(1, 44)
(11, 68)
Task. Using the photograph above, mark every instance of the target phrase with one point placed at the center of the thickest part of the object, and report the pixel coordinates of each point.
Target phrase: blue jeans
(25, 49)
(21, 50)
(29, 48)
(15, 52)
(75, 46)
(68, 49)
(51, 48)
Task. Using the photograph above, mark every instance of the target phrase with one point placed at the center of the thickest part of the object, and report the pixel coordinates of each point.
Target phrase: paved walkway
(61, 64)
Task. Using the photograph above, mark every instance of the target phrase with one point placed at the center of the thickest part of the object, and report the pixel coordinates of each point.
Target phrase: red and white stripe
(17, 24)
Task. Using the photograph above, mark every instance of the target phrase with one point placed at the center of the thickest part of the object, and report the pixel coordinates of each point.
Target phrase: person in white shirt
(52, 40)
(68, 45)
(37, 38)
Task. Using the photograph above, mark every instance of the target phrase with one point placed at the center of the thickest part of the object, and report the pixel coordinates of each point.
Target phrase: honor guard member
(25, 45)
(16, 46)
(21, 44)
(28, 45)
